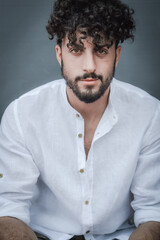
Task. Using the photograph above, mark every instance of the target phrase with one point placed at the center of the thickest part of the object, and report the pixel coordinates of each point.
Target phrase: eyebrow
(81, 47)
(78, 46)
(103, 46)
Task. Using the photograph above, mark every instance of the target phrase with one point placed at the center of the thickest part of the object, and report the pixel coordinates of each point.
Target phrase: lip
(89, 80)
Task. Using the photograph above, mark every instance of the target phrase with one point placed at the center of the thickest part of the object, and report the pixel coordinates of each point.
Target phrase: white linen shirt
(46, 181)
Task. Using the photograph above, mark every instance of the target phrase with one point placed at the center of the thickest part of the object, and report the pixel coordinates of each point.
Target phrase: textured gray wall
(27, 57)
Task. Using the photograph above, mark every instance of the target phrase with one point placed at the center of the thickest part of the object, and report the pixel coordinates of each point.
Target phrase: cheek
(104, 67)
(72, 65)
(69, 70)
(107, 65)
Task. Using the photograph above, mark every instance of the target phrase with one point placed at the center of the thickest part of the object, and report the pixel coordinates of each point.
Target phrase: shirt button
(77, 115)
(1, 175)
(81, 170)
(87, 232)
(80, 135)
(86, 202)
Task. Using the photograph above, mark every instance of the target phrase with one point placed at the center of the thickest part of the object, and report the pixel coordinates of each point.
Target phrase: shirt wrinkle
(69, 195)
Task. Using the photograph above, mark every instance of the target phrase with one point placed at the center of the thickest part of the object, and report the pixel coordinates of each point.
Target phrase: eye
(75, 51)
(102, 52)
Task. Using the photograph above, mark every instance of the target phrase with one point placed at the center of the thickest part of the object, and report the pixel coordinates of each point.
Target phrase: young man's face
(87, 70)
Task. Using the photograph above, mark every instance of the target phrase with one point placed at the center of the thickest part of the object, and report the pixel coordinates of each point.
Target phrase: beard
(88, 96)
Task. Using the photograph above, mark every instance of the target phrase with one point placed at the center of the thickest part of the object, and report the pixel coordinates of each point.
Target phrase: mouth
(89, 80)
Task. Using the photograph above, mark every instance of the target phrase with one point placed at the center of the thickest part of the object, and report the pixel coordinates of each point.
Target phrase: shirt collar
(109, 118)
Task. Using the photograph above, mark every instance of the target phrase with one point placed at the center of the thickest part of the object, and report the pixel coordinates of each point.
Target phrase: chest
(89, 130)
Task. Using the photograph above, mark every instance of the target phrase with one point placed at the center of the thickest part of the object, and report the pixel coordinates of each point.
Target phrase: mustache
(89, 75)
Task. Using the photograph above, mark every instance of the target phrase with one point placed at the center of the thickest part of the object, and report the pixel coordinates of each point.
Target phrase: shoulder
(134, 104)
(43, 89)
(37, 100)
(131, 95)
(42, 95)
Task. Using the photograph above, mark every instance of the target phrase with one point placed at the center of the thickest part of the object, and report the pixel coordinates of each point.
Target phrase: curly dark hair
(100, 19)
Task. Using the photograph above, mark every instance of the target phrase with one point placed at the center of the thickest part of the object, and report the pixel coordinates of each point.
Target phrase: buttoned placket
(85, 170)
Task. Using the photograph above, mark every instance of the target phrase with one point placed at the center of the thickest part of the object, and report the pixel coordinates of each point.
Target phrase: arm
(146, 185)
(147, 231)
(12, 228)
(18, 171)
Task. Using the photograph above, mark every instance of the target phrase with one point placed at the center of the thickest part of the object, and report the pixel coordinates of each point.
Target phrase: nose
(89, 64)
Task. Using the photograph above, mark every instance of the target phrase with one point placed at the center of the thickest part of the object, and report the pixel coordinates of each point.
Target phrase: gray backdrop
(27, 57)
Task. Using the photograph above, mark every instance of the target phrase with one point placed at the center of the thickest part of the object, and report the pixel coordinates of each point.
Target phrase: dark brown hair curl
(111, 19)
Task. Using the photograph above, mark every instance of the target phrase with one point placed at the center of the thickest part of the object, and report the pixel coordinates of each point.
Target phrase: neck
(88, 111)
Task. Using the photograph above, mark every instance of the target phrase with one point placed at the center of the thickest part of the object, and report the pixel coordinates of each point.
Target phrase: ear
(118, 53)
(58, 54)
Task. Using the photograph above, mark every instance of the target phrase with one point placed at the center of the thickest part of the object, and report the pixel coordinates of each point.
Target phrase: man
(80, 157)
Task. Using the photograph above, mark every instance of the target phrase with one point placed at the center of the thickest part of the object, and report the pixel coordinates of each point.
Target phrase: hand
(147, 231)
(14, 229)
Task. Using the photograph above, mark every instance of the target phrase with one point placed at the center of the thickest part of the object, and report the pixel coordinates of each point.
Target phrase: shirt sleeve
(146, 182)
(18, 171)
